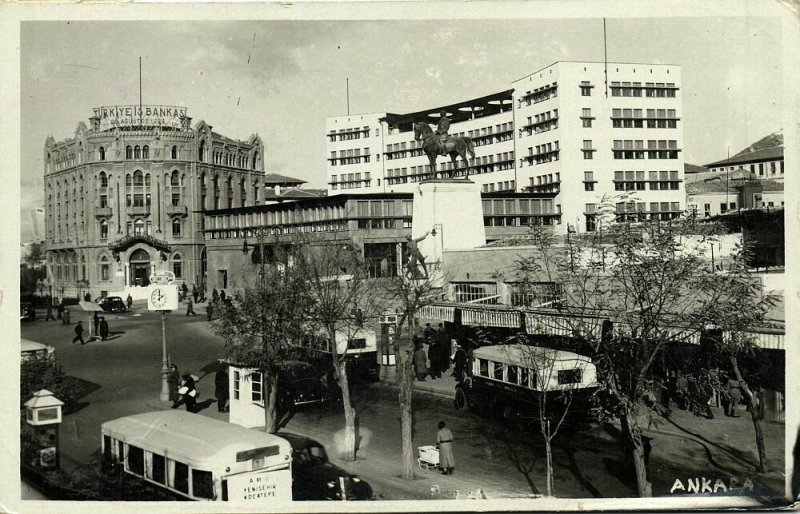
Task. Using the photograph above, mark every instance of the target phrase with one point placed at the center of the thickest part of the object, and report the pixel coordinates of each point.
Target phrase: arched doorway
(140, 268)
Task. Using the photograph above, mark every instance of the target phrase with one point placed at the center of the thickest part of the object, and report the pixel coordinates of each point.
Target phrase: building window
(588, 181)
(256, 392)
(586, 88)
(174, 151)
(236, 385)
(129, 152)
(177, 266)
(707, 210)
(138, 227)
(104, 275)
(137, 152)
(176, 227)
(103, 229)
(102, 152)
(146, 152)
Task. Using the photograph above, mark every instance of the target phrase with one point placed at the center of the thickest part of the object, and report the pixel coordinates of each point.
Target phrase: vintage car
(302, 383)
(315, 478)
(27, 312)
(112, 304)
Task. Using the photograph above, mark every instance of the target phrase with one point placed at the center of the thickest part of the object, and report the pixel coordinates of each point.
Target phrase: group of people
(695, 393)
(216, 299)
(435, 352)
(183, 390)
(61, 310)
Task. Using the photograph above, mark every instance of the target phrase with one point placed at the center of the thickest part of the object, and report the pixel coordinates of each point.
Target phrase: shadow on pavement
(79, 389)
(199, 406)
(569, 451)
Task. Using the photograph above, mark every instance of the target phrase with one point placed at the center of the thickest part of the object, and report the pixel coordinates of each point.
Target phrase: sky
(281, 79)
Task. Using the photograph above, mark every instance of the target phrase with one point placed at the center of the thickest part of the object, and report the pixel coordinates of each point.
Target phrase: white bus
(509, 380)
(200, 458)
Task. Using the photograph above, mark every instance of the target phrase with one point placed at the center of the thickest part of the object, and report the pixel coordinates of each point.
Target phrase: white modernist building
(586, 134)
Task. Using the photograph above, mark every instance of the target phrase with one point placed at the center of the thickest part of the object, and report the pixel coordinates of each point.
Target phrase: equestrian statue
(441, 143)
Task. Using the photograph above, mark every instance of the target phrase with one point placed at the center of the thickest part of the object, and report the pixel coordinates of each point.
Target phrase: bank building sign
(139, 115)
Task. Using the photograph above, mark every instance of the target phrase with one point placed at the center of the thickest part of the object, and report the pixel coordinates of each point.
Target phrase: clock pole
(164, 365)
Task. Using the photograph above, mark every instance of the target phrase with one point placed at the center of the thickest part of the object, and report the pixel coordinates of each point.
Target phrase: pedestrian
(222, 296)
(96, 323)
(65, 316)
(420, 363)
(214, 296)
(445, 348)
(87, 297)
(78, 333)
(210, 310)
(103, 328)
(60, 309)
(433, 358)
(173, 382)
(459, 363)
(444, 442)
(734, 390)
(190, 308)
(221, 390)
(428, 333)
(184, 290)
(49, 310)
(194, 293)
(187, 394)
(129, 301)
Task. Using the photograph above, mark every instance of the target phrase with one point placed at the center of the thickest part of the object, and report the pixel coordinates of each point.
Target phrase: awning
(439, 312)
(490, 318)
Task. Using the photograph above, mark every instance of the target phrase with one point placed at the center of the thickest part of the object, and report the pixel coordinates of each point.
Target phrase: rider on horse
(441, 129)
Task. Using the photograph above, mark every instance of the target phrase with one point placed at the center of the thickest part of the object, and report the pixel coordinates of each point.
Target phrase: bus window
(570, 376)
(512, 374)
(523, 377)
(157, 471)
(136, 460)
(498, 371)
(202, 484)
(180, 477)
(483, 369)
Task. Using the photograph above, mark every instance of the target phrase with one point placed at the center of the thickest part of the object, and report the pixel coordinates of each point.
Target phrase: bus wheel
(461, 402)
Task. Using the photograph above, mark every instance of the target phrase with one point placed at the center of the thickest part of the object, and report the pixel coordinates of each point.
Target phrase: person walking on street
(103, 328)
(444, 442)
(65, 316)
(445, 348)
(459, 363)
(184, 290)
(96, 323)
(60, 310)
(78, 333)
(194, 293)
(173, 382)
(210, 310)
(49, 310)
(734, 390)
(187, 394)
(190, 308)
(420, 363)
(433, 357)
(214, 296)
(222, 296)
(221, 390)
(129, 301)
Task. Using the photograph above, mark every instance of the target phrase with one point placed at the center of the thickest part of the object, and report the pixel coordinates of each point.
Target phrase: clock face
(158, 298)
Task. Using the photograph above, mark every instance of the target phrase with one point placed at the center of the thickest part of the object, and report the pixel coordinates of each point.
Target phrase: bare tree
(339, 297)
(268, 319)
(652, 288)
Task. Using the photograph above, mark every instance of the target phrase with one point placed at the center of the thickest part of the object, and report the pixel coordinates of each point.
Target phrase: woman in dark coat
(444, 441)
(103, 328)
(420, 362)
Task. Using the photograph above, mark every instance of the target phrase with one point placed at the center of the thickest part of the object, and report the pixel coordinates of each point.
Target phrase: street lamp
(164, 396)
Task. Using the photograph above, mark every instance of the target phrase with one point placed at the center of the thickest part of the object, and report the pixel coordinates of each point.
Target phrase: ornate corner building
(126, 196)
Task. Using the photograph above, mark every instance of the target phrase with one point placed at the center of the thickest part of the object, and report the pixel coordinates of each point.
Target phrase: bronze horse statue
(454, 147)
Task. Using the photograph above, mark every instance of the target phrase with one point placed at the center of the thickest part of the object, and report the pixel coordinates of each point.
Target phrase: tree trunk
(405, 382)
(270, 402)
(762, 449)
(634, 450)
(549, 450)
(349, 414)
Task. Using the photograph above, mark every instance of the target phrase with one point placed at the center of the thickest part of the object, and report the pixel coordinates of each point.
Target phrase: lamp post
(164, 397)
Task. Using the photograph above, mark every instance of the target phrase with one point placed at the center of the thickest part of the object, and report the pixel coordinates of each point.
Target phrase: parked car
(302, 383)
(112, 304)
(315, 478)
(27, 312)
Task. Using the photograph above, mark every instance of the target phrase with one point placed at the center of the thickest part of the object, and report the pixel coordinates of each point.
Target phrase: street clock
(162, 297)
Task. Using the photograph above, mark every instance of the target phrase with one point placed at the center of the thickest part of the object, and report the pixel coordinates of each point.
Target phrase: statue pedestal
(451, 209)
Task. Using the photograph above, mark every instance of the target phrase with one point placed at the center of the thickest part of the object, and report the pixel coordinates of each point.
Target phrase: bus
(510, 380)
(199, 458)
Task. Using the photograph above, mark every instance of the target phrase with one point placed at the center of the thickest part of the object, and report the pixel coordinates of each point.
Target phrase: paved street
(122, 377)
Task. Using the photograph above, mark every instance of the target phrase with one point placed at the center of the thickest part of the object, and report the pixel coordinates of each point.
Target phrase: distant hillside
(692, 168)
(770, 141)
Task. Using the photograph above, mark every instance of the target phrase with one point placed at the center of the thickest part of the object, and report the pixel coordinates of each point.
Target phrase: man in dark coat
(221, 390)
(210, 310)
(420, 363)
(60, 310)
(96, 322)
(129, 301)
(78, 333)
(433, 358)
(194, 293)
(103, 328)
(190, 308)
(214, 295)
(49, 310)
(459, 363)
(222, 296)
(445, 348)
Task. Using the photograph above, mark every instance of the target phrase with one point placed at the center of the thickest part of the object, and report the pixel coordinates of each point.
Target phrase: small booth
(43, 412)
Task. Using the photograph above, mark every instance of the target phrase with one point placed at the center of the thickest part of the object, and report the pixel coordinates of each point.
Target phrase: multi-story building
(765, 163)
(127, 194)
(586, 134)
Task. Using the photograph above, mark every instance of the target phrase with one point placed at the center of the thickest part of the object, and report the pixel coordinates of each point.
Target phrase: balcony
(139, 210)
(103, 212)
(176, 210)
